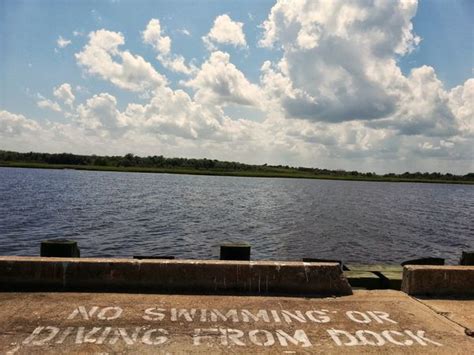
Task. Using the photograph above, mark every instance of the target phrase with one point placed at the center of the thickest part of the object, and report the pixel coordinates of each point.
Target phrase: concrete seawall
(172, 276)
(438, 280)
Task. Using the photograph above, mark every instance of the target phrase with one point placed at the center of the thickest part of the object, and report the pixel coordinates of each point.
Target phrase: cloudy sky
(373, 85)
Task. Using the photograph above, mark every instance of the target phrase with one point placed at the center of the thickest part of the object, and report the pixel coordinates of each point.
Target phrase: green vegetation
(160, 164)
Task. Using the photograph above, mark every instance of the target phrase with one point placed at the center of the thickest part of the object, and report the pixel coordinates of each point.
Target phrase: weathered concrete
(172, 276)
(460, 311)
(375, 276)
(366, 322)
(438, 280)
(363, 280)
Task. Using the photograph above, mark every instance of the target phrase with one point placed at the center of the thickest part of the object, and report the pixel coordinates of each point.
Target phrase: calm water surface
(125, 214)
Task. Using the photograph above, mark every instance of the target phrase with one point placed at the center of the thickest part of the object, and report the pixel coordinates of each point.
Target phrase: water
(126, 214)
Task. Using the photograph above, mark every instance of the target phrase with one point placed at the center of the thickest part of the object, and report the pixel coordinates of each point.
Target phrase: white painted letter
(178, 313)
(122, 333)
(381, 316)
(379, 341)
(287, 315)
(154, 314)
(246, 315)
(335, 334)
(197, 337)
(88, 338)
(276, 317)
(146, 339)
(269, 341)
(365, 318)
(64, 335)
(388, 335)
(298, 337)
(232, 334)
(83, 312)
(420, 338)
(320, 317)
(104, 335)
(116, 312)
(215, 314)
(53, 331)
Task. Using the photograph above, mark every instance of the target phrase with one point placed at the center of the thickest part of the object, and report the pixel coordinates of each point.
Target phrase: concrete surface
(460, 311)
(438, 280)
(172, 276)
(363, 280)
(367, 322)
(375, 276)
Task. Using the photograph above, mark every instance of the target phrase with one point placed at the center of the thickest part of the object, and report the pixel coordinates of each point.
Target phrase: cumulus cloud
(100, 114)
(173, 113)
(423, 107)
(101, 56)
(225, 31)
(334, 97)
(153, 35)
(64, 94)
(62, 42)
(12, 124)
(461, 102)
(48, 104)
(220, 82)
(339, 57)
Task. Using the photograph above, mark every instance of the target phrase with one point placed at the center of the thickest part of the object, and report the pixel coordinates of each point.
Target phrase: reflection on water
(125, 214)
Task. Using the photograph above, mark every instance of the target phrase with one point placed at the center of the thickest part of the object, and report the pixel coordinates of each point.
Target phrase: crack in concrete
(445, 315)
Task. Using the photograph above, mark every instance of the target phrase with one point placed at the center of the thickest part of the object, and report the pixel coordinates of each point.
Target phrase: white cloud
(48, 104)
(173, 113)
(184, 31)
(64, 93)
(461, 101)
(177, 64)
(340, 57)
(423, 107)
(62, 42)
(383, 27)
(335, 98)
(12, 124)
(153, 35)
(100, 115)
(220, 82)
(130, 72)
(225, 31)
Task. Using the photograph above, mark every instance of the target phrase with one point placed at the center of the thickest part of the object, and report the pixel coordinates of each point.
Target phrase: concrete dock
(384, 321)
(100, 306)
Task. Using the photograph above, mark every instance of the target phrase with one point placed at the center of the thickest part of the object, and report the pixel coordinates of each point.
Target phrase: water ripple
(125, 214)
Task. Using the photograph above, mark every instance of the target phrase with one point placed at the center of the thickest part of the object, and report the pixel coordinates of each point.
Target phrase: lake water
(126, 214)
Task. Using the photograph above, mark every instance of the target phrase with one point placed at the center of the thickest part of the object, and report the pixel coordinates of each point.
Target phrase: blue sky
(300, 110)
(30, 29)
(447, 32)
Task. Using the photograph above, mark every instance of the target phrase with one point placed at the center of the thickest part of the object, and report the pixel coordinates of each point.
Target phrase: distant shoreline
(262, 174)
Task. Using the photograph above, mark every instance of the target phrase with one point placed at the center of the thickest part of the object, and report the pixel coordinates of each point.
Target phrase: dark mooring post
(424, 261)
(235, 251)
(61, 248)
(467, 258)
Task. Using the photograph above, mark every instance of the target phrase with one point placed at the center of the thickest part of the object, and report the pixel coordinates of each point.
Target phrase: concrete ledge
(172, 276)
(438, 280)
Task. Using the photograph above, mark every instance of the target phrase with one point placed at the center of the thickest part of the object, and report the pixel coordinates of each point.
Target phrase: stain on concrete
(368, 322)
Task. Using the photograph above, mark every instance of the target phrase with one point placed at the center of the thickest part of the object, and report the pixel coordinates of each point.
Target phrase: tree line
(159, 161)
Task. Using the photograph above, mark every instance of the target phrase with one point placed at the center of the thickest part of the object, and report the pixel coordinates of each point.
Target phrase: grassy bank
(275, 172)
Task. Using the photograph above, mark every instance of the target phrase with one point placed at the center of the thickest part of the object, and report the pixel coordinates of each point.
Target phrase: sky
(370, 85)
